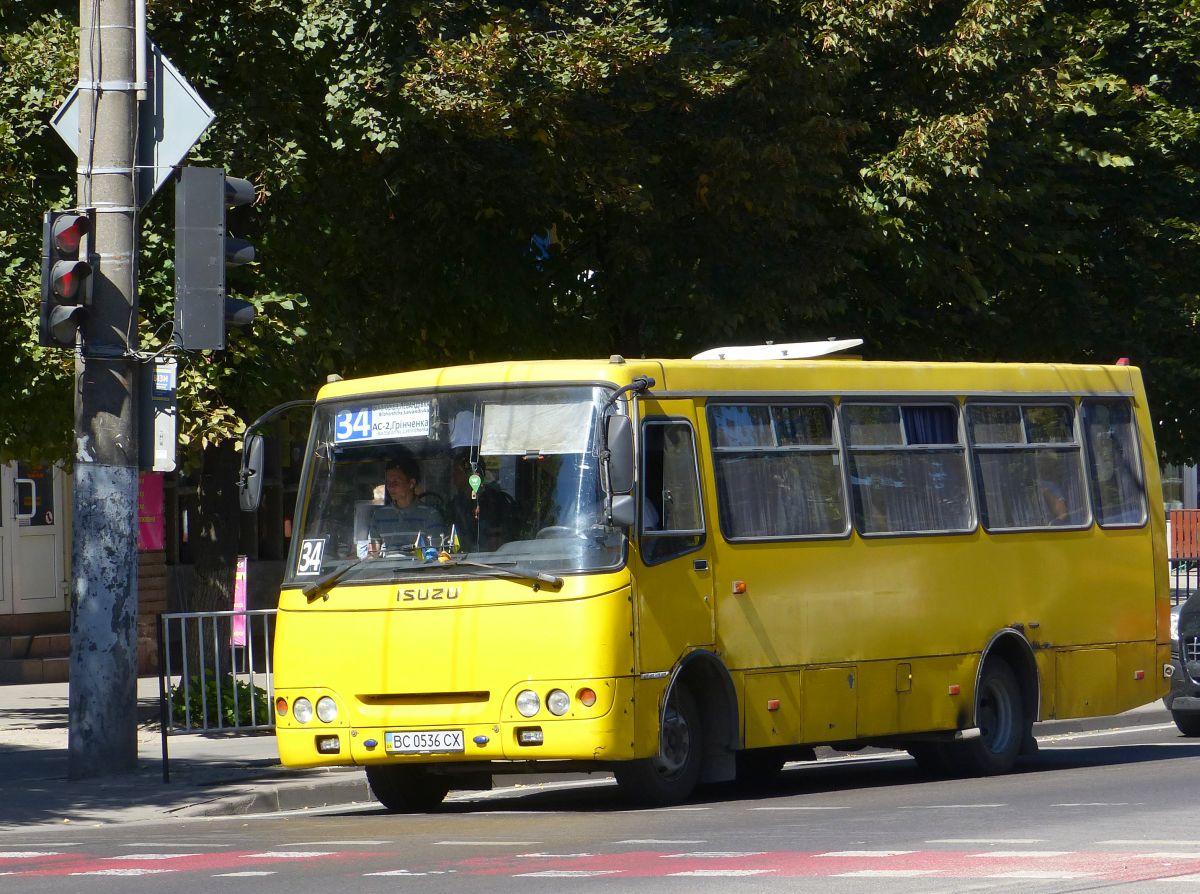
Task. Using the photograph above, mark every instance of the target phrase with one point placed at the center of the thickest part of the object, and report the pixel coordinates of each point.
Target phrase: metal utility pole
(104, 599)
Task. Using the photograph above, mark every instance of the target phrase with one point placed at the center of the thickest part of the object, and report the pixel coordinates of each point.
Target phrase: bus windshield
(506, 477)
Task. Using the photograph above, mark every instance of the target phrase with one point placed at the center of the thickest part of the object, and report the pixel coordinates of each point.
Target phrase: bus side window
(672, 520)
(1114, 466)
(1028, 466)
(907, 468)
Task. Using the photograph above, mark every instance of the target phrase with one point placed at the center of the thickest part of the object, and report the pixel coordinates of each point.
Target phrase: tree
(444, 181)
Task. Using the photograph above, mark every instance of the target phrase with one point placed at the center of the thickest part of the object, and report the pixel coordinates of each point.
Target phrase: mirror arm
(261, 421)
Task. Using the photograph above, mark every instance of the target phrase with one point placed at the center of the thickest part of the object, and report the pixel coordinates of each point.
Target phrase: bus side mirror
(624, 511)
(620, 454)
(250, 480)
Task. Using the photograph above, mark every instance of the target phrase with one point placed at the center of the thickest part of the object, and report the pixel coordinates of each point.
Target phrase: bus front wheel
(1002, 722)
(669, 777)
(407, 789)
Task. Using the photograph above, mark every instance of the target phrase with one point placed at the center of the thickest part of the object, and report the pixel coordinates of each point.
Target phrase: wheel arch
(704, 674)
(1010, 646)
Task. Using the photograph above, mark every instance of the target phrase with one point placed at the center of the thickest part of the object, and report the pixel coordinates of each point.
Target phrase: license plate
(424, 741)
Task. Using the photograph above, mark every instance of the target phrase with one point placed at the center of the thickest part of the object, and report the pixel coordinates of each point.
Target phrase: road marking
(1023, 854)
(1093, 804)
(152, 856)
(247, 874)
(661, 841)
(799, 808)
(1146, 842)
(27, 855)
(889, 873)
(555, 856)
(124, 872)
(393, 872)
(1035, 874)
(1193, 879)
(945, 806)
(864, 854)
(714, 855)
(328, 843)
(488, 843)
(173, 844)
(985, 841)
(288, 855)
(1170, 855)
(714, 873)
(567, 873)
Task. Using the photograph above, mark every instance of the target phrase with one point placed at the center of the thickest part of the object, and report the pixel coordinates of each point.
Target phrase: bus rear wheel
(407, 789)
(670, 777)
(1002, 722)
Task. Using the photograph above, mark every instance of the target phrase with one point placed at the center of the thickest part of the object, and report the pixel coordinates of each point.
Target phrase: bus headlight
(326, 709)
(528, 703)
(302, 710)
(558, 702)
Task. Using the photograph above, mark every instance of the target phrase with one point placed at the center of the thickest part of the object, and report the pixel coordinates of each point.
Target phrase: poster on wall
(150, 511)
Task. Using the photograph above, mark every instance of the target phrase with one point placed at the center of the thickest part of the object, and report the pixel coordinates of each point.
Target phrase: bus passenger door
(672, 568)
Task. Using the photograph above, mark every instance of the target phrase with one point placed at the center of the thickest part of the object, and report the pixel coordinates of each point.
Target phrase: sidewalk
(210, 775)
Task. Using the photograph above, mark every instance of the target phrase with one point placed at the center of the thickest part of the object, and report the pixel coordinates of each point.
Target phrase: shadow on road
(873, 770)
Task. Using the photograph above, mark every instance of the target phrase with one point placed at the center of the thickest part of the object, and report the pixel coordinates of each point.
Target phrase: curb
(345, 787)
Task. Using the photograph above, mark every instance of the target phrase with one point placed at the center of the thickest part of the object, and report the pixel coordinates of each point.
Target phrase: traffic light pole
(104, 599)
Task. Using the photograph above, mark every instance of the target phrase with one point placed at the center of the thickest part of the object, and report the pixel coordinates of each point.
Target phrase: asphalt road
(1094, 809)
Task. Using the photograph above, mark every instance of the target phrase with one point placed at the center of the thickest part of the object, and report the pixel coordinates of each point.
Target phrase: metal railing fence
(215, 673)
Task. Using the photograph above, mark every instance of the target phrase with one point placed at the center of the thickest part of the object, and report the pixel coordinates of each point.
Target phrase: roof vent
(798, 350)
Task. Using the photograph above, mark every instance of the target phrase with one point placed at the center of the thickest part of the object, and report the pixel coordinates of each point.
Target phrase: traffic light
(203, 249)
(65, 270)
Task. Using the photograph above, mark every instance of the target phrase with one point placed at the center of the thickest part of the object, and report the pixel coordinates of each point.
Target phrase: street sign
(170, 120)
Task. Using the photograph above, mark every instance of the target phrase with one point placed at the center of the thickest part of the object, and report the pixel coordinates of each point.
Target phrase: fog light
(302, 710)
(558, 702)
(326, 709)
(329, 744)
(528, 703)
(529, 735)
(281, 706)
(587, 697)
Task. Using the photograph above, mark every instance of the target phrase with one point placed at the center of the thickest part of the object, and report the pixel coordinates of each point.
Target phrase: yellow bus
(687, 571)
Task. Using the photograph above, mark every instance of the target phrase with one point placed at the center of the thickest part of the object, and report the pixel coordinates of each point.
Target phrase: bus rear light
(281, 706)
(587, 697)
(954, 690)
(1139, 675)
(739, 587)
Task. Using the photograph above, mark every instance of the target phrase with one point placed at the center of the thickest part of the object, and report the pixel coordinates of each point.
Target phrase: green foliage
(975, 180)
(217, 698)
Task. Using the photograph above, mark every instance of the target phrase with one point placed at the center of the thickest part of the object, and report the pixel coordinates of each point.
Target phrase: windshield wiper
(322, 585)
(517, 572)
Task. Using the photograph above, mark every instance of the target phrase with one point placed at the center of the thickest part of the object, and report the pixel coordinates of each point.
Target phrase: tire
(1188, 722)
(757, 768)
(670, 777)
(407, 789)
(1002, 722)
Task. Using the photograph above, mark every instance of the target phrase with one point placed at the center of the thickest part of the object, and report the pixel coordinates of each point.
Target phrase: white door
(31, 553)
